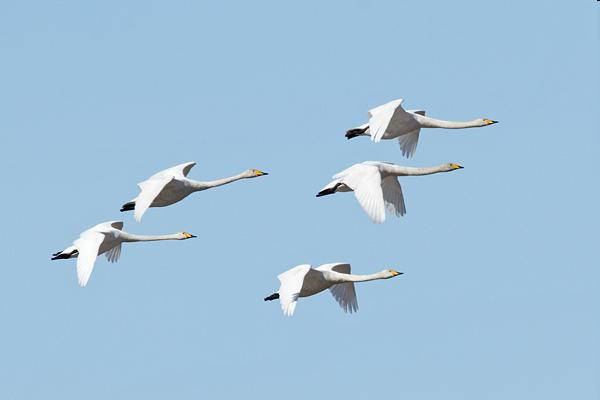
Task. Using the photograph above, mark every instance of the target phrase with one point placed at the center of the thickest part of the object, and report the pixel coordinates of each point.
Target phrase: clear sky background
(500, 294)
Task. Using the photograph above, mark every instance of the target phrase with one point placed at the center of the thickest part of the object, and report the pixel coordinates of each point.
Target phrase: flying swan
(172, 185)
(376, 187)
(105, 238)
(304, 281)
(391, 121)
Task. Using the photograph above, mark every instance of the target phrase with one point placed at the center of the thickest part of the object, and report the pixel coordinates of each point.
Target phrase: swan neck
(130, 237)
(196, 185)
(398, 170)
(427, 122)
(360, 278)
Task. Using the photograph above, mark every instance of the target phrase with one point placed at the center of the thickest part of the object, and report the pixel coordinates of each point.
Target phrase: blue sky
(500, 293)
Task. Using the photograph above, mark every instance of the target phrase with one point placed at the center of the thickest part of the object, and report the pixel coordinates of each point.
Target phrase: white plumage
(105, 238)
(172, 185)
(376, 187)
(391, 121)
(304, 281)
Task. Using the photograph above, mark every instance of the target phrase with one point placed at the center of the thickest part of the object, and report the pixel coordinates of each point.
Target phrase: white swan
(171, 185)
(391, 121)
(105, 238)
(375, 185)
(304, 281)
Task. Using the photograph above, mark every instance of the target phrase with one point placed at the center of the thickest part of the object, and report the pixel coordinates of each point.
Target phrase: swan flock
(374, 183)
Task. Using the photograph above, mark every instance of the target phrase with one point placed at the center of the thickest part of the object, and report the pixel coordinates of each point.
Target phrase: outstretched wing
(381, 117)
(87, 245)
(148, 191)
(113, 254)
(291, 284)
(343, 293)
(408, 141)
(392, 196)
(385, 107)
(365, 181)
(178, 171)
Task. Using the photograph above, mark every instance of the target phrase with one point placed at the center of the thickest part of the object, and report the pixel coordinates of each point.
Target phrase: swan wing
(365, 181)
(392, 195)
(391, 105)
(382, 117)
(291, 284)
(178, 171)
(408, 142)
(113, 254)
(343, 293)
(88, 245)
(106, 227)
(117, 224)
(149, 190)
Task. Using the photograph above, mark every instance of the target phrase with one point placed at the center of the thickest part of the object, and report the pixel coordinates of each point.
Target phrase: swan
(304, 281)
(376, 187)
(105, 238)
(172, 185)
(390, 121)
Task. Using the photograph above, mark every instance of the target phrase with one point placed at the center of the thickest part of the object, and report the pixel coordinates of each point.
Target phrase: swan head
(486, 122)
(452, 166)
(254, 173)
(186, 235)
(390, 273)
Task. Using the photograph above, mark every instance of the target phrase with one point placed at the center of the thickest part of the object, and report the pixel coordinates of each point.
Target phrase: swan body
(376, 187)
(172, 185)
(304, 281)
(391, 121)
(105, 238)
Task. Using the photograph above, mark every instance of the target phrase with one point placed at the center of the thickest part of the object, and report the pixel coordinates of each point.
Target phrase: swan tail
(65, 254)
(329, 189)
(129, 206)
(274, 296)
(360, 131)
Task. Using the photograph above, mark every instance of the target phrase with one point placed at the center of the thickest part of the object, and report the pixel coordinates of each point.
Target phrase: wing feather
(365, 181)
(291, 284)
(149, 190)
(87, 245)
(113, 254)
(382, 117)
(370, 196)
(343, 293)
(408, 142)
(392, 196)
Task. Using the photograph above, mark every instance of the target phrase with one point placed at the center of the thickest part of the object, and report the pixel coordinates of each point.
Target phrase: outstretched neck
(398, 170)
(130, 237)
(342, 278)
(427, 122)
(197, 185)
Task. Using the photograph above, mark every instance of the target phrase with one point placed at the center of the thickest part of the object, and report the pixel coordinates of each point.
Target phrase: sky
(499, 297)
